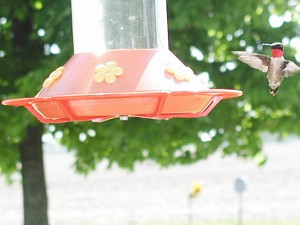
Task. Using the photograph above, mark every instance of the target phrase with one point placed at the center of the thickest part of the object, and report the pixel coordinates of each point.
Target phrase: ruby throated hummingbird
(276, 66)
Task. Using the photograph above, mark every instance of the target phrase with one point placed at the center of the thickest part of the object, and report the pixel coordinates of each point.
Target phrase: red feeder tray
(145, 83)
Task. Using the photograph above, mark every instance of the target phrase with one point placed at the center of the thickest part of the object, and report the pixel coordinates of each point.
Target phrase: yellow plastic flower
(180, 74)
(53, 77)
(108, 72)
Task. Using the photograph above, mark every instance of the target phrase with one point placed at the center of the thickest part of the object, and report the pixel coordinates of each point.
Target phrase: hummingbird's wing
(290, 68)
(255, 60)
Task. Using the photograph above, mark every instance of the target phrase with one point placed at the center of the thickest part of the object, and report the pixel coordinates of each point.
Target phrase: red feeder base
(147, 83)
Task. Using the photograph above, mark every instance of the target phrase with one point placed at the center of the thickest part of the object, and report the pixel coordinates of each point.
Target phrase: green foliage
(213, 27)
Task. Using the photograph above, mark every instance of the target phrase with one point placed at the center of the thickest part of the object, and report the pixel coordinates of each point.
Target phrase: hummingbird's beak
(266, 44)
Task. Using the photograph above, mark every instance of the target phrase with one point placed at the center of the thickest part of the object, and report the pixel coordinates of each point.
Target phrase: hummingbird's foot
(273, 91)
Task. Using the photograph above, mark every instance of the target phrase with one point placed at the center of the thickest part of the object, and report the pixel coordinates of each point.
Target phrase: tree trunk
(26, 54)
(34, 186)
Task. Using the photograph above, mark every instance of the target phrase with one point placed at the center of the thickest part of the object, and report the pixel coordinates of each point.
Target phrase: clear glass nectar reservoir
(100, 25)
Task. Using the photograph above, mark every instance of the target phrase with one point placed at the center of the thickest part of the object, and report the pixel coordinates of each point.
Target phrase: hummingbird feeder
(121, 68)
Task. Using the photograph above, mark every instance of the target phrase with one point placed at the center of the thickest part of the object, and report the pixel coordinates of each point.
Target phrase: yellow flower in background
(196, 189)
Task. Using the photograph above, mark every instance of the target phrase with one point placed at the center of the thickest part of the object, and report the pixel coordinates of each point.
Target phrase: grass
(231, 223)
(202, 223)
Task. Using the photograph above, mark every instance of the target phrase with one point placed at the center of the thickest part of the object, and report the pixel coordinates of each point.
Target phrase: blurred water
(153, 194)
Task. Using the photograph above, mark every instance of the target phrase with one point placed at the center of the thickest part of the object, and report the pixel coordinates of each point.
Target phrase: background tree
(35, 38)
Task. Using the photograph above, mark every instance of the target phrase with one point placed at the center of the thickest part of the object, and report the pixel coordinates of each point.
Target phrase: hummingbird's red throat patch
(276, 53)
